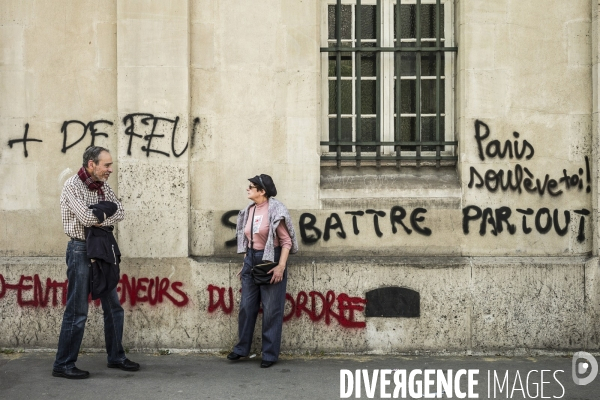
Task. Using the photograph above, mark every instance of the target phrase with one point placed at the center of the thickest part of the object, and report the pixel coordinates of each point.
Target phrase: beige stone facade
(193, 97)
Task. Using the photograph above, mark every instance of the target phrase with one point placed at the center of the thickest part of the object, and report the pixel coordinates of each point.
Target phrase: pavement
(210, 376)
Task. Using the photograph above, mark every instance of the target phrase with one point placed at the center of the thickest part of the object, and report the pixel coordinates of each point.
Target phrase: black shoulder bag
(260, 274)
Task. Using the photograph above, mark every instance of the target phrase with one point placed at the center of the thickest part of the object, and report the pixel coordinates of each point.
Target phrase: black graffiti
(226, 221)
(544, 220)
(336, 225)
(136, 126)
(194, 131)
(575, 180)
(523, 179)
(146, 120)
(494, 147)
(376, 214)
(173, 140)
(310, 233)
(309, 226)
(581, 235)
(529, 211)
(354, 221)
(587, 170)
(90, 126)
(414, 219)
(24, 140)
(396, 216)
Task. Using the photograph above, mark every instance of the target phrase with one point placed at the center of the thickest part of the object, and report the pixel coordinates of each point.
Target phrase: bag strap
(252, 228)
(252, 236)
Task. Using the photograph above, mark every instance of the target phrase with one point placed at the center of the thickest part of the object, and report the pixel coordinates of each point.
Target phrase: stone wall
(462, 305)
(193, 97)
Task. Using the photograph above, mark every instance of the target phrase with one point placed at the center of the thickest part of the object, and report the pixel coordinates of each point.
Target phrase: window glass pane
(332, 97)
(406, 67)
(429, 43)
(442, 96)
(407, 132)
(408, 95)
(332, 64)
(346, 97)
(441, 21)
(428, 61)
(428, 21)
(367, 133)
(367, 97)
(368, 61)
(394, 94)
(346, 22)
(428, 96)
(331, 22)
(346, 62)
(394, 27)
(407, 21)
(408, 64)
(428, 129)
(428, 132)
(368, 20)
(346, 133)
(427, 64)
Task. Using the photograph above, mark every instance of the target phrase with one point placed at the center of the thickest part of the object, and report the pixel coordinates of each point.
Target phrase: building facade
(439, 158)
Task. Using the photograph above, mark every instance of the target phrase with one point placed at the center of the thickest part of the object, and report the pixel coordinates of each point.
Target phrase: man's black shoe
(73, 373)
(266, 364)
(233, 356)
(126, 365)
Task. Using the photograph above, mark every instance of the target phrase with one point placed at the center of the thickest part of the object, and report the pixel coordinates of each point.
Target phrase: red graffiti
(220, 302)
(31, 293)
(151, 290)
(34, 294)
(345, 305)
(341, 308)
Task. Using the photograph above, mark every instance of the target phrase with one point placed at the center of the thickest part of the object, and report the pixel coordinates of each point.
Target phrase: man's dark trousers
(75, 316)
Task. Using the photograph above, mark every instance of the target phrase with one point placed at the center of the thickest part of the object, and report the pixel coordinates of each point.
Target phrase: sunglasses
(250, 187)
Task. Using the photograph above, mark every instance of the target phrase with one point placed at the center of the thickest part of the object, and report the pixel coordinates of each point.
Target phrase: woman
(265, 233)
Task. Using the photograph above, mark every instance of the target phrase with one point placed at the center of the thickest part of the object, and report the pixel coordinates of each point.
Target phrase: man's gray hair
(93, 153)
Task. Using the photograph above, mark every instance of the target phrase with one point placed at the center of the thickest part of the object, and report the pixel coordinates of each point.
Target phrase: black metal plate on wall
(393, 302)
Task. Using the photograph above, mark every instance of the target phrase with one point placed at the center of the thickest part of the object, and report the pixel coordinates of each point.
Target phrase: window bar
(378, 65)
(338, 72)
(398, 49)
(418, 81)
(383, 48)
(398, 84)
(358, 65)
(393, 157)
(386, 143)
(438, 62)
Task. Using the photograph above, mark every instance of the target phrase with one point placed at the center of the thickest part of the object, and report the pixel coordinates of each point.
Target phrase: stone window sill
(348, 183)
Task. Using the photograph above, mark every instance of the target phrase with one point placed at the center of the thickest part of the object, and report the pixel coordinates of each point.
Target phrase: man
(88, 187)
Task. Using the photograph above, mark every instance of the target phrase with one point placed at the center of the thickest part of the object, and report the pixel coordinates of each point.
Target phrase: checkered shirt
(74, 202)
